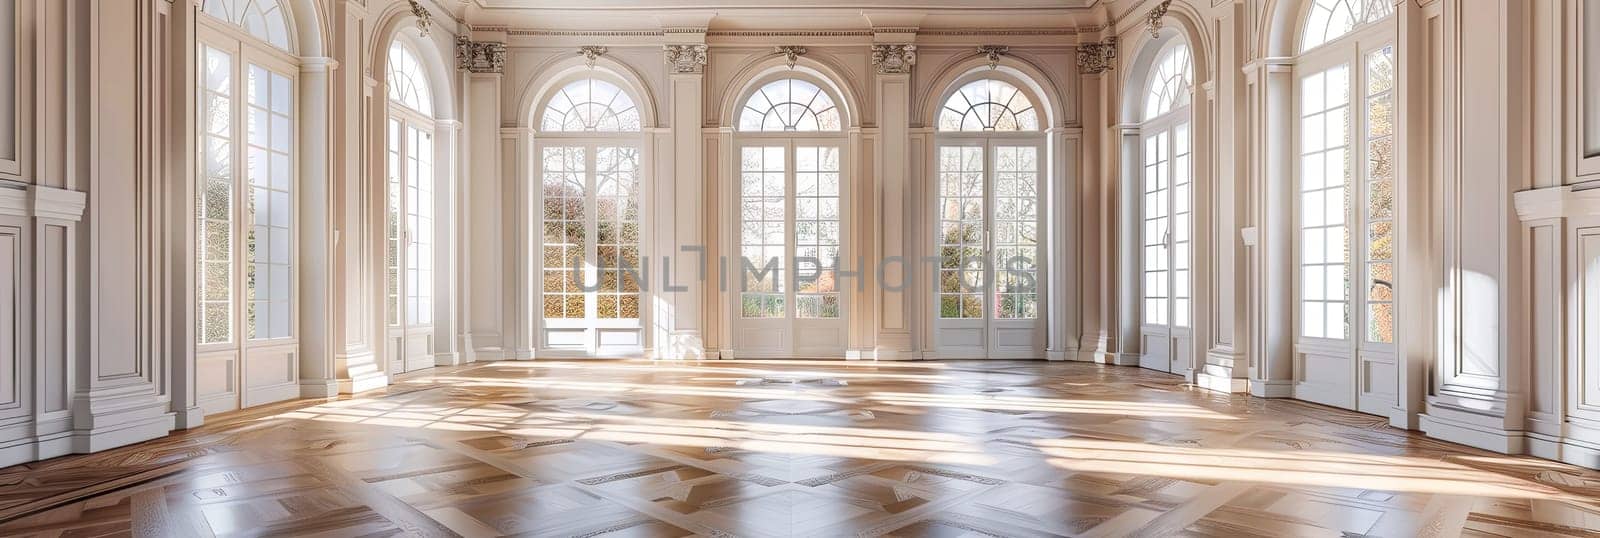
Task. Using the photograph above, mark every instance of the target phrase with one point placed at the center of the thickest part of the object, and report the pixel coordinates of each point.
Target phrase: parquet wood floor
(797, 448)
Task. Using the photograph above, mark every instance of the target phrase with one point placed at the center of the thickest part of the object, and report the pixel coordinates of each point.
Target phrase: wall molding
(1566, 201)
(38, 201)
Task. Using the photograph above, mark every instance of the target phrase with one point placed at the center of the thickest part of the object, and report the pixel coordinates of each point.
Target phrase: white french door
(789, 232)
(1166, 340)
(591, 240)
(988, 232)
(409, 243)
(246, 264)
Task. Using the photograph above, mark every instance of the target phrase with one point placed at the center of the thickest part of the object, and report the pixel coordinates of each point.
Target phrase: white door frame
(996, 338)
(788, 336)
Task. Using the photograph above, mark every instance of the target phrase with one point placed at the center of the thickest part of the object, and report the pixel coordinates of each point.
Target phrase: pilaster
(354, 258)
(893, 63)
(686, 61)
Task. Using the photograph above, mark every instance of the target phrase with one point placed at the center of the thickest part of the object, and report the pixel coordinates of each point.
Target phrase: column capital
(686, 59)
(894, 58)
(478, 57)
(1097, 58)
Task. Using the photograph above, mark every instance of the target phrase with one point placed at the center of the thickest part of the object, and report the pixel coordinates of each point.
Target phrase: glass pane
(817, 232)
(590, 104)
(1016, 232)
(988, 105)
(215, 199)
(565, 230)
(961, 220)
(270, 211)
(762, 243)
(617, 229)
(789, 105)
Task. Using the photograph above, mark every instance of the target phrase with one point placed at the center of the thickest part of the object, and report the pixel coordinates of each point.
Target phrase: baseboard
(363, 383)
(1564, 450)
(447, 359)
(1059, 355)
(1271, 389)
(97, 439)
(192, 417)
(1221, 383)
(686, 345)
(36, 448)
(1437, 426)
(319, 388)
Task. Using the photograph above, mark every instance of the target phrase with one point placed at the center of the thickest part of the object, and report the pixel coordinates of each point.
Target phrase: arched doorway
(990, 161)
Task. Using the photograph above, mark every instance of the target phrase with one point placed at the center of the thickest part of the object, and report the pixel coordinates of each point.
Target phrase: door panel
(987, 234)
(789, 238)
(1165, 240)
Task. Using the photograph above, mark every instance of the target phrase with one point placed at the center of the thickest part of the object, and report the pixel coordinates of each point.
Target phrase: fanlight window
(1169, 82)
(407, 84)
(590, 105)
(988, 105)
(789, 105)
(1331, 19)
(264, 19)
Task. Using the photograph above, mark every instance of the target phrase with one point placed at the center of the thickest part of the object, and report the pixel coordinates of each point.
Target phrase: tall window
(789, 224)
(989, 160)
(592, 234)
(1346, 174)
(988, 213)
(245, 195)
(789, 203)
(1166, 202)
(409, 232)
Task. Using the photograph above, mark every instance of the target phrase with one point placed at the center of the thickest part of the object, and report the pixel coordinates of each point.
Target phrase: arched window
(789, 228)
(789, 104)
(1169, 81)
(988, 105)
(590, 104)
(1166, 222)
(245, 208)
(1332, 19)
(409, 224)
(591, 231)
(264, 19)
(1345, 209)
(989, 160)
(407, 84)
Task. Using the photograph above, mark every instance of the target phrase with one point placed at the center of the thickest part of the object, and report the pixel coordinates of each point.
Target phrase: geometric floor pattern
(797, 448)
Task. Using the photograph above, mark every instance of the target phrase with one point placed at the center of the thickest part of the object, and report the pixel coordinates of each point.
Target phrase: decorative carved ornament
(476, 57)
(686, 59)
(1153, 19)
(424, 18)
(1096, 58)
(591, 53)
(993, 52)
(894, 59)
(791, 53)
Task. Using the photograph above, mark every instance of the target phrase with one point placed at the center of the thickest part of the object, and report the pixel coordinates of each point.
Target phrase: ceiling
(786, 15)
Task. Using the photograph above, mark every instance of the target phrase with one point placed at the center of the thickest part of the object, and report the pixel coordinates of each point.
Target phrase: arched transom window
(1169, 81)
(408, 85)
(789, 105)
(590, 105)
(988, 105)
(264, 19)
(1331, 19)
